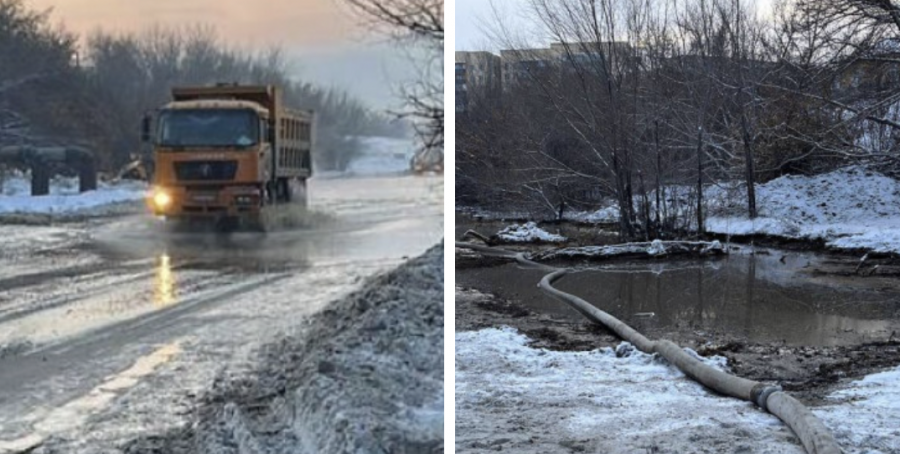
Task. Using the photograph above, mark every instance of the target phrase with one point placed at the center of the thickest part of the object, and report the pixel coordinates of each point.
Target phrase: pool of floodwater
(761, 298)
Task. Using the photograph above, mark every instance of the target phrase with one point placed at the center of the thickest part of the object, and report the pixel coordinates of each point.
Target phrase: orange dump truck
(228, 155)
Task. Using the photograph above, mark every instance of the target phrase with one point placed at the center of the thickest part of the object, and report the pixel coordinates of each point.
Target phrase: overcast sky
(474, 19)
(322, 37)
(293, 23)
(472, 14)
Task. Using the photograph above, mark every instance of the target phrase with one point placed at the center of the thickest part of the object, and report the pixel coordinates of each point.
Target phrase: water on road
(110, 327)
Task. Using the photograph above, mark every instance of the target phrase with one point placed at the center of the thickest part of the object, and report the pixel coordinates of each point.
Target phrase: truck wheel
(299, 193)
(284, 190)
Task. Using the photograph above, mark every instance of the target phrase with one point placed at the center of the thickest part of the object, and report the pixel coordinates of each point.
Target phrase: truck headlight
(162, 199)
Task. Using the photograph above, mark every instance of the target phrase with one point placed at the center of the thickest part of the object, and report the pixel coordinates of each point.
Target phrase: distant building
(475, 70)
(518, 63)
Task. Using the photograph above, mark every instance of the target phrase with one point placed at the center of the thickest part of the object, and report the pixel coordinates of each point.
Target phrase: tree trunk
(658, 177)
(749, 175)
(700, 181)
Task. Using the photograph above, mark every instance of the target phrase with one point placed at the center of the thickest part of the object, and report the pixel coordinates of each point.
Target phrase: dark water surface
(776, 297)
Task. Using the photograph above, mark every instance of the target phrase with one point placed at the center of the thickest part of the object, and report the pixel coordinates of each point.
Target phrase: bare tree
(843, 57)
(652, 102)
(33, 53)
(422, 23)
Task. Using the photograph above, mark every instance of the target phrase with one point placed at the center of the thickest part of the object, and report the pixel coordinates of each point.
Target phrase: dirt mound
(365, 376)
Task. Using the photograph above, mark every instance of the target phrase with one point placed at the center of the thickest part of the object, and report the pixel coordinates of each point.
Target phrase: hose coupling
(760, 394)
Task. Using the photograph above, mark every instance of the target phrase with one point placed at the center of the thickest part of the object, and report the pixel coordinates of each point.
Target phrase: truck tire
(299, 193)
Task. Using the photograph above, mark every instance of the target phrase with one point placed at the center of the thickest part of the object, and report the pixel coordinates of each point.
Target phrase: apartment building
(519, 63)
(475, 70)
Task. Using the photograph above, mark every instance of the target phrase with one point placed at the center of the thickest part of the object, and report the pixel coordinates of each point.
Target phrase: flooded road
(773, 297)
(96, 312)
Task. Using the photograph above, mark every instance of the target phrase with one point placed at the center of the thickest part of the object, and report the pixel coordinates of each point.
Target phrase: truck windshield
(208, 128)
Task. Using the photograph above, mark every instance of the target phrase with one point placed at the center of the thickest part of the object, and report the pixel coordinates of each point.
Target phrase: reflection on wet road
(104, 273)
(165, 282)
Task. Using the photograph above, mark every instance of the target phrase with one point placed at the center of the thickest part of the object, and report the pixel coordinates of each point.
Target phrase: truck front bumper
(228, 201)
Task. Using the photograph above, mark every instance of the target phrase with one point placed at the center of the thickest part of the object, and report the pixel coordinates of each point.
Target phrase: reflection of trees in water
(729, 299)
(751, 284)
(735, 297)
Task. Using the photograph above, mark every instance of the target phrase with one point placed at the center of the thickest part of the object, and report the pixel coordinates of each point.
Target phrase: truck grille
(205, 170)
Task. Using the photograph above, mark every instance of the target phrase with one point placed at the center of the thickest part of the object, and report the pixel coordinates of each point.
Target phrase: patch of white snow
(528, 233)
(64, 198)
(522, 399)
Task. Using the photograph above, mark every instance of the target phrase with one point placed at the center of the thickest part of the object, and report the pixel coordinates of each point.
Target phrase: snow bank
(533, 400)
(849, 209)
(15, 196)
(528, 233)
(364, 375)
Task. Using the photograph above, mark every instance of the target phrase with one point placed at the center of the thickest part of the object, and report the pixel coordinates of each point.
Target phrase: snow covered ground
(15, 195)
(382, 156)
(850, 208)
(607, 215)
(528, 233)
(513, 397)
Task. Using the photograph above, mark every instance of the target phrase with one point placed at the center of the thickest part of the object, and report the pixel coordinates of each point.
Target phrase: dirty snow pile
(365, 375)
(515, 398)
(382, 156)
(528, 233)
(15, 195)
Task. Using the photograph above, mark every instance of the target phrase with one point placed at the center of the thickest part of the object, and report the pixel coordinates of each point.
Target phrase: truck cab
(227, 154)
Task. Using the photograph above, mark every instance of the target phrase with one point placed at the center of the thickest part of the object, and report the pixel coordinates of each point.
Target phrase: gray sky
(470, 15)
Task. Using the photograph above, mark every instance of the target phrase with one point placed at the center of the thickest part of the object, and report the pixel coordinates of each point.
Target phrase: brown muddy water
(769, 297)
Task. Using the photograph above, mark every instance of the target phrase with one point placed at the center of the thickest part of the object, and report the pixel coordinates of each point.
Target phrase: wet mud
(476, 310)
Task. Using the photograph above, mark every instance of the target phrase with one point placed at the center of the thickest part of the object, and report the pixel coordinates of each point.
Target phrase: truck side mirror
(146, 126)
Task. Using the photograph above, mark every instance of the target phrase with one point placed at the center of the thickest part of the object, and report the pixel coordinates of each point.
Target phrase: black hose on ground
(814, 436)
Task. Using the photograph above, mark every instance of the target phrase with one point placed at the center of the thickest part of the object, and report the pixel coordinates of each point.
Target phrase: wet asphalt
(83, 303)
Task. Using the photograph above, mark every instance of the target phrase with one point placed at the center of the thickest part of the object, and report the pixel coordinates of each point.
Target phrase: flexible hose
(814, 436)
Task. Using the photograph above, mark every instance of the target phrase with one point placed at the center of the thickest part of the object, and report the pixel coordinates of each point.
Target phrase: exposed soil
(808, 373)
(477, 310)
